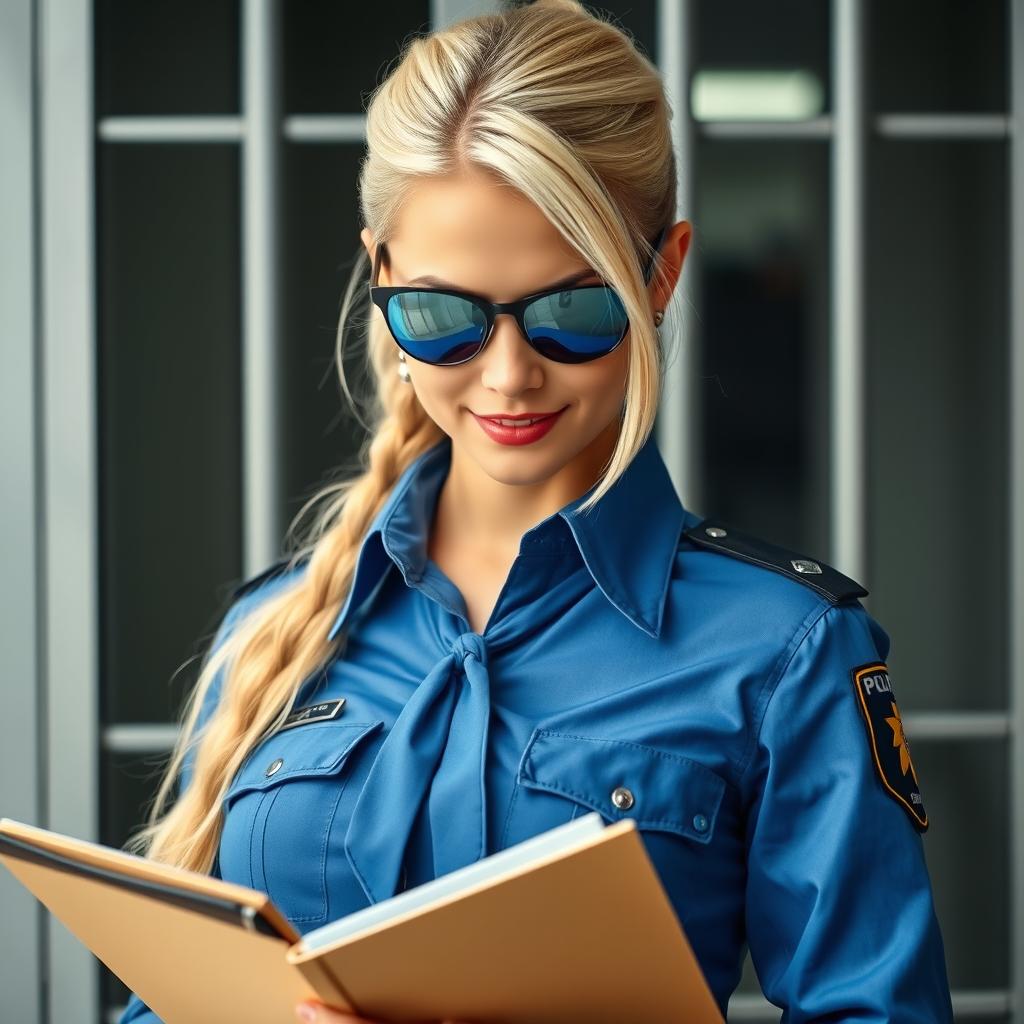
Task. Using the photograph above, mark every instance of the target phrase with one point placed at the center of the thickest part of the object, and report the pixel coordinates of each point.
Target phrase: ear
(366, 237)
(369, 243)
(673, 253)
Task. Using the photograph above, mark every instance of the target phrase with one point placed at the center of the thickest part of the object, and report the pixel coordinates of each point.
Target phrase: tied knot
(467, 644)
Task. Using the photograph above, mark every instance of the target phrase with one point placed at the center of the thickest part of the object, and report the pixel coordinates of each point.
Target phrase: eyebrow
(562, 283)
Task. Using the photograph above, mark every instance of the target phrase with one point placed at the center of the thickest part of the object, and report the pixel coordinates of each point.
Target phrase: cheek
(603, 382)
(441, 391)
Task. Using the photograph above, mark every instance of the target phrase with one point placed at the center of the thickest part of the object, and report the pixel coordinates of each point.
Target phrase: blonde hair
(561, 105)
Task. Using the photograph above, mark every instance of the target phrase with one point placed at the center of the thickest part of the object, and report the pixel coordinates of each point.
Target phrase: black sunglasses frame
(381, 295)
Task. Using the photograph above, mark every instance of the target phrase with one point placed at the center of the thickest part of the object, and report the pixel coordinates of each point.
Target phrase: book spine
(327, 987)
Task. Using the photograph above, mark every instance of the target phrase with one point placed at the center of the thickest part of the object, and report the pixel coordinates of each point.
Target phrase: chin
(520, 465)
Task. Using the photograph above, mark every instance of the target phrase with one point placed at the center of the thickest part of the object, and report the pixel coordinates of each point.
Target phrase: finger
(318, 1013)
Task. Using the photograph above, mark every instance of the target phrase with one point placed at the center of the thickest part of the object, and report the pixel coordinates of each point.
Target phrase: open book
(571, 926)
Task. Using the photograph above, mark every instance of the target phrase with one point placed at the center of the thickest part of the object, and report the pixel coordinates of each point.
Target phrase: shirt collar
(627, 541)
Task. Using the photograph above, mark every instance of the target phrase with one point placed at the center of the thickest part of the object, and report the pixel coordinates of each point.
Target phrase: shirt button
(622, 798)
(700, 823)
(274, 766)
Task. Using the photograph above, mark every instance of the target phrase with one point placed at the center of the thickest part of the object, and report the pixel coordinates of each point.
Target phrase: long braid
(528, 93)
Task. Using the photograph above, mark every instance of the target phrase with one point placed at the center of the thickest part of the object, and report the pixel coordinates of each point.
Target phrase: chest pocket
(279, 809)
(659, 790)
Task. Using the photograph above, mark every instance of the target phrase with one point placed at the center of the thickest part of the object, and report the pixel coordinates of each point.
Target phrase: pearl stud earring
(403, 368)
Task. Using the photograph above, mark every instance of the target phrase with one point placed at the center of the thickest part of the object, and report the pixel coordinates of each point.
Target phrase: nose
(509, 364)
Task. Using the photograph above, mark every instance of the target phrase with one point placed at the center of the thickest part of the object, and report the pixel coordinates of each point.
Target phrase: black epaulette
(812, 572)
(253, 582)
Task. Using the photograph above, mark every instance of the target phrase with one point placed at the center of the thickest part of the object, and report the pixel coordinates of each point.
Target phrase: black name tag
(314, 713)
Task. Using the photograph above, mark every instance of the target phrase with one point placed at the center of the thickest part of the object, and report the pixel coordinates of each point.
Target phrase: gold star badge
(899, 740)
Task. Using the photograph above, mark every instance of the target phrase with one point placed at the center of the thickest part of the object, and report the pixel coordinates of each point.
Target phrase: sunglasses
(445, 327)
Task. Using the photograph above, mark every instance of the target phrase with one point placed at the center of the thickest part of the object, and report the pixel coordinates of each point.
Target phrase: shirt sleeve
(136, 1011)
(840, 916)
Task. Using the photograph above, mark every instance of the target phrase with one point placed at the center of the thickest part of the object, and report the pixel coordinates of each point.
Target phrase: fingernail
(305, 1012)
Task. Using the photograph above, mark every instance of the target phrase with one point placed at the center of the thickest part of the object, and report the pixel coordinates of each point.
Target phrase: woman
(506, 625)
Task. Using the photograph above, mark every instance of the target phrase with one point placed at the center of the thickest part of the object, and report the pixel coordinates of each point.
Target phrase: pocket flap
(317, 748)
(656, 788)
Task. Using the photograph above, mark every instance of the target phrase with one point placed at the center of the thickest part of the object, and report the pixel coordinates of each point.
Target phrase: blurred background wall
(177, 195)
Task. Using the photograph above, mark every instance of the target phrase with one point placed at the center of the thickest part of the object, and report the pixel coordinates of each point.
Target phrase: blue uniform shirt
(619, 654)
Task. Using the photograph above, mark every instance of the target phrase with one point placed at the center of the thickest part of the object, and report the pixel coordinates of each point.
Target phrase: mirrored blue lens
(576, 325)
(435, 327)
(571, 326)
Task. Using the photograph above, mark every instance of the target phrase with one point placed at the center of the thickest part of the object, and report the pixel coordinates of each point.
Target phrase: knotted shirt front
(618, 657)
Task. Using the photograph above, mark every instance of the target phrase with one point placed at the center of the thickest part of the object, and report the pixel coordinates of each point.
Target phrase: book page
(560, 838)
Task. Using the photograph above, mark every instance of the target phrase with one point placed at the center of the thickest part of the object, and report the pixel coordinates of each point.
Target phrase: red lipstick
(527, 433)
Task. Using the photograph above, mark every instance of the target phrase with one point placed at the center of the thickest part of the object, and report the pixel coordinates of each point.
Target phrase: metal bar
(143, 738)
(982, 1003)
(679, 422)
(444, 12)
(171, 129)
(260, 404)
(755, 1009)
(894, 126)
(70, 571)
(810, 128)
(977, 1004)
(922, 727)
(1015, 472)
(325, 128)
(957, 725)
(352, 127)
(942, 126)
(22, 745)
(848, 386)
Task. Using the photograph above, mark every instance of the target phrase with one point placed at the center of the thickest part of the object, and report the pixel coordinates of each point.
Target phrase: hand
(310, 1012)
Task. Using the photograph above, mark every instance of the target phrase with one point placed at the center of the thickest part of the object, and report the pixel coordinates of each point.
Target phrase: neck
(477, 513)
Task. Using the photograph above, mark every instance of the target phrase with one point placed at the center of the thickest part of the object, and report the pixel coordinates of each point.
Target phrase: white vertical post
(848, 390)
(444, 12)
(679, 433)
(22, 772)
(69, 573)
(1015, 472)
(261, 442)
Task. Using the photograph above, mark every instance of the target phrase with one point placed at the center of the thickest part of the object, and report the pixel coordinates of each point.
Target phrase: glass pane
(966, 791)
(169, 407)
(335, 54)
(938, 56)
(320, 241)
(761, 327)
(938, 418)
(636, 19)
(785, 38)
(167, 57)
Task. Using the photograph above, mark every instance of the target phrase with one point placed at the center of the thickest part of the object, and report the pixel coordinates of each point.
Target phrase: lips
(518, 429)
(520, 419)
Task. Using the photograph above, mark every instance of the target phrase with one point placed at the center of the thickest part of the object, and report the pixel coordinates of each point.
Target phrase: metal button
(274, 766)
(700, 823)
(805, 565)
(622, 798)
(715, 531)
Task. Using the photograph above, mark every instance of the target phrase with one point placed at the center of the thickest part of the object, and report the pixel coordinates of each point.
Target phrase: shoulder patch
(812, 572)
(889, 747)
(253, 582)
